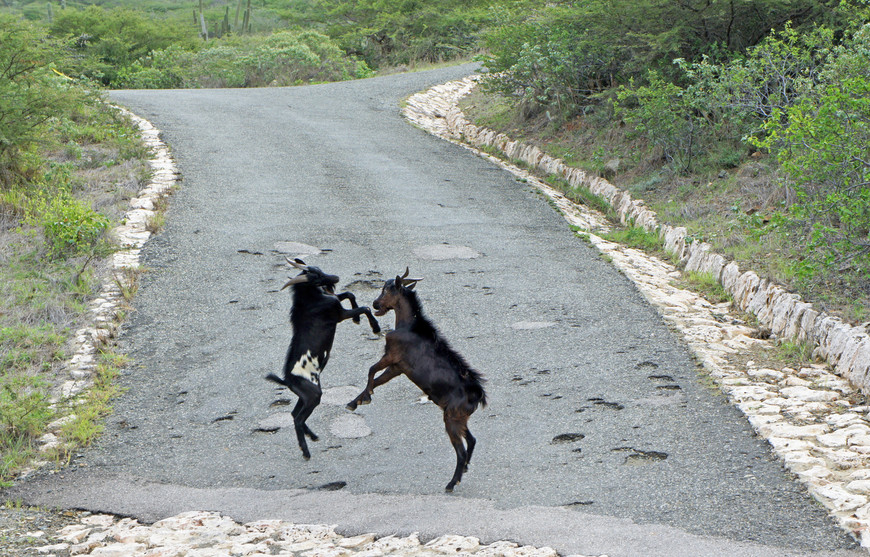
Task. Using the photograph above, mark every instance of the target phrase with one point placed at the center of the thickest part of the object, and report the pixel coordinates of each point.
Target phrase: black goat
(416, 348)
(316, 312)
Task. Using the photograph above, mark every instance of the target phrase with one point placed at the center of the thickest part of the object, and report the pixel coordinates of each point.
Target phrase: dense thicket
(706, 83)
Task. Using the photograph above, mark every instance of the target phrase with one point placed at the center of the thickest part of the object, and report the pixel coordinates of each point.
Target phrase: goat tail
(474, 390)
(477, 396)
(276, 379)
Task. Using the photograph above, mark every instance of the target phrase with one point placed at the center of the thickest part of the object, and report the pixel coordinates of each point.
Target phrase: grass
(706, 285)
(636, 237)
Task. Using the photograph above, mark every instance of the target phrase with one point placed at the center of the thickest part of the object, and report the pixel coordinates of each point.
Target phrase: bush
(283, 58)
(104, 42)
(30, 93)
(821, 145)
(669, 116)
(71, 227)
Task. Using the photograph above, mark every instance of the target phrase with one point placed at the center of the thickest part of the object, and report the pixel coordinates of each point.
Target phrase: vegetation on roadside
(746, 122)
(68, 165)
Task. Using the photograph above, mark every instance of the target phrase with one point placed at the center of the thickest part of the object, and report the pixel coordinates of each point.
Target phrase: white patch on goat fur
(307, 367)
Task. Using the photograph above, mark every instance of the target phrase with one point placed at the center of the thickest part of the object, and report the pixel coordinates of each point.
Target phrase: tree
(30, 93)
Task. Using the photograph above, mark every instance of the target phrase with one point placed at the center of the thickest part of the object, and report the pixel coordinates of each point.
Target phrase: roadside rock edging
(207, 534)
(122, 275)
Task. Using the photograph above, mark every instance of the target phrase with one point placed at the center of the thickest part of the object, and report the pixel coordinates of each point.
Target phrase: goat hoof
(448, 489)
(351, 406)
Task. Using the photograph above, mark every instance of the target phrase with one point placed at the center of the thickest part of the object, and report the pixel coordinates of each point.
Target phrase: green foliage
(560, 55)
(636, 237)
(550, 61)
(392, 32)
(821, 145)
(283, 58)
(71, 227)
(105, 41)
(668, 116)
(707, 286)
(30, 94)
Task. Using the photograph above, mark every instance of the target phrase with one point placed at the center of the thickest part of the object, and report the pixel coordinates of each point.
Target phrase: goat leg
(456, 429)
(356, 312)
(353, 305)
(298, 408)
(470, 442)
(308, 406)
(365, 397)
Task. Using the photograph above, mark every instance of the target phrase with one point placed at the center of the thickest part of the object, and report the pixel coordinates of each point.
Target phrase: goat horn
(295, 280)
(407, 270)
(298, 263)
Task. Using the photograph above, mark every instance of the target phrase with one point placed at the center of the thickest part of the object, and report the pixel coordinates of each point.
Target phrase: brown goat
(416, 348)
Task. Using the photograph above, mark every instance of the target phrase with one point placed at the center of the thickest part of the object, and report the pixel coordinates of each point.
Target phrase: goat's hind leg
(309, 397)
(457, 429)
(470, 442)
(295, 412)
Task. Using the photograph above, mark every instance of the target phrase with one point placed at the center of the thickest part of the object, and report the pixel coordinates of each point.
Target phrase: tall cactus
(50, 13)
(203, 30)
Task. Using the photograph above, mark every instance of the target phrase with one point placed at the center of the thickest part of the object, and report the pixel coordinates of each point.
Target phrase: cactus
(238, 9)
(50, 13)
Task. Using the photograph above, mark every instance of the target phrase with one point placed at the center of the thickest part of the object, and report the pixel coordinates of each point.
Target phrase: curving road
(600, 437)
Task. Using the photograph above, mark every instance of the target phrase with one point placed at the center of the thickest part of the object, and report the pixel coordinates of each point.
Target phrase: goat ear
(298, 263)
(398, 280)
(295, 280)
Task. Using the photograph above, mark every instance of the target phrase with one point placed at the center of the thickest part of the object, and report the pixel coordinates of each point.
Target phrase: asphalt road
(601, 435)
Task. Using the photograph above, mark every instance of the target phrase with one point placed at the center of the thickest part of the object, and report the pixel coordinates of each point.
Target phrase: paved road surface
(601, 436)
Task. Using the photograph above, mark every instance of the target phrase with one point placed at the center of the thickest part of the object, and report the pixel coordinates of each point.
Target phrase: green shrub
(283, 58)
(669, 116)
(821, 144)
(30, 93)
(71, 227)
(105, 41)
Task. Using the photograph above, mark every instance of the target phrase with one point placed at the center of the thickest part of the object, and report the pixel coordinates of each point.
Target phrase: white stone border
(209, 533)
(808, 416)
(131, 235)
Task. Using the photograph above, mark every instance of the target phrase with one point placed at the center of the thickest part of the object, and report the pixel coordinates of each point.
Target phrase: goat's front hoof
(449, 488)
(351, 406)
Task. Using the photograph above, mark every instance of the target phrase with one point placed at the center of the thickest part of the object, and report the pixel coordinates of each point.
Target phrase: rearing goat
(416, 348)
(316, 312)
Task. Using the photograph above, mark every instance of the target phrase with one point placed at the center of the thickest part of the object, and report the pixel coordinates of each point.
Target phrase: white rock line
(105, 309)
(806, 415)
(208, 534)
